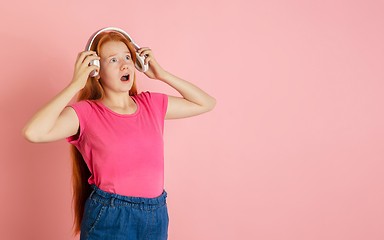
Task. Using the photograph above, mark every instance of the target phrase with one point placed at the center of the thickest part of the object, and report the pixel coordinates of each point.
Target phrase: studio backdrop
(293, 149)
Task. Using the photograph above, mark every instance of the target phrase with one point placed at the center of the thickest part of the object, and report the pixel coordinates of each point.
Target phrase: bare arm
(41, 127)
(54, 121)
(194, 101)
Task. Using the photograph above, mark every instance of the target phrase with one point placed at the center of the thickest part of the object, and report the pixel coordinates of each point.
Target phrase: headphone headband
(139, 59)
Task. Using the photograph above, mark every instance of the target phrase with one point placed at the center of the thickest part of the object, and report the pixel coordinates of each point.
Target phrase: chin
(127, 88)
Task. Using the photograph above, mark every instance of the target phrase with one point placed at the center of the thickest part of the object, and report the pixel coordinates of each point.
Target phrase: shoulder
(157, 102)
(83, 108)
(83, 103)
(150, 95)
(153, 97)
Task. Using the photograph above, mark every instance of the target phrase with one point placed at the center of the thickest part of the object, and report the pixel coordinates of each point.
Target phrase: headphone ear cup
(94, 72)
(140, 63)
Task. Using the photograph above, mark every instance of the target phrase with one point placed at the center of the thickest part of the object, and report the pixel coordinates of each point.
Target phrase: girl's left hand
(155, 71)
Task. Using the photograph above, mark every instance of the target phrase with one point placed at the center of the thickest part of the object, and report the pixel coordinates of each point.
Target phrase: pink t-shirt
(124, 152)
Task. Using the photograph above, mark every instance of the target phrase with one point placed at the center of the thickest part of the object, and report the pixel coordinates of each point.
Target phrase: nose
(124, 66)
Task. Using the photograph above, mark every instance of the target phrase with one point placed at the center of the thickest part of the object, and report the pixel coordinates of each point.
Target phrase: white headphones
(139, 59)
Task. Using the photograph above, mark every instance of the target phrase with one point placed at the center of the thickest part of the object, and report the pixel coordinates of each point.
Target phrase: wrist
(75, 86)
(164, 76)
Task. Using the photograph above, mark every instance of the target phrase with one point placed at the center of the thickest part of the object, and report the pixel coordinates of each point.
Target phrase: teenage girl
(116, 137)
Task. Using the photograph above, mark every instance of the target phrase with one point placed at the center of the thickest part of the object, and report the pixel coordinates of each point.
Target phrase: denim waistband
(116, 199)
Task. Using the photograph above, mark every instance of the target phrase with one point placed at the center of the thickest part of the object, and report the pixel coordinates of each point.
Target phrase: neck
(120, 100)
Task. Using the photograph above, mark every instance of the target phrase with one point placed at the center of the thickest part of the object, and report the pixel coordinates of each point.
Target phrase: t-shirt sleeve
(160, 100)
(83, 110)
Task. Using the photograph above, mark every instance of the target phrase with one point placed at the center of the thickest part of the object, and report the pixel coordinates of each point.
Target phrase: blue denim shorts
(112, 216)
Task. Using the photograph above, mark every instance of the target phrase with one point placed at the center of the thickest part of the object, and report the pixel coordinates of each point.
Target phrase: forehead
(113, 47)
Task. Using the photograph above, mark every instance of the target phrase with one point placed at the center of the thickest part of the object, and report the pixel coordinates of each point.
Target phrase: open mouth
(125, 78)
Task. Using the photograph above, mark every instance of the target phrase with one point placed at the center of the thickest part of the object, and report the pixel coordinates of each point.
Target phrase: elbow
(211, 104)
(29, 136)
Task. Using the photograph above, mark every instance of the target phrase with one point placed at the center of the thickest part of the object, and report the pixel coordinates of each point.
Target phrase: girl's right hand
(82, 68)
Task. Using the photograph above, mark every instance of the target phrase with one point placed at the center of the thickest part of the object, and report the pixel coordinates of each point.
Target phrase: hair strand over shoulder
(93, 91)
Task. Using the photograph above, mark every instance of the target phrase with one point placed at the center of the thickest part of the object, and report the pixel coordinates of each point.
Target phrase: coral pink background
(293, 149)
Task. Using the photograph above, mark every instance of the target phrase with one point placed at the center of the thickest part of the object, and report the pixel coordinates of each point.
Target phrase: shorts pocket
(92, 214)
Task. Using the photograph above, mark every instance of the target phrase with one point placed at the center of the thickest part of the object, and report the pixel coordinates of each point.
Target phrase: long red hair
(93, 90)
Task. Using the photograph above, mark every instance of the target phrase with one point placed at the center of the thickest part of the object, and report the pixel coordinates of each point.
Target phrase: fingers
(144, 51)
(82, 55)
(82, 65)
(93, 67)
(85, 56)
(147, 60)
(89, 69)
(88, 59)
(147, 53)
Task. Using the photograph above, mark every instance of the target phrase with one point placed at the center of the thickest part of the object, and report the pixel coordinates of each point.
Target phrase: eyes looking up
(127, 57)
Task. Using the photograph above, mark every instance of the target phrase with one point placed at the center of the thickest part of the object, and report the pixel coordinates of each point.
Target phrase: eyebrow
(116, 54)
